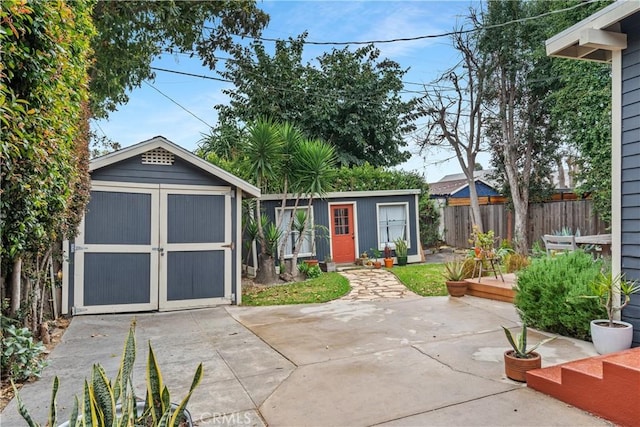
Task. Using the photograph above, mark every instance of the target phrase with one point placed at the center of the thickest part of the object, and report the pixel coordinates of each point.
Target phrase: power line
(423, 37)
(176, 102)
(202, 76)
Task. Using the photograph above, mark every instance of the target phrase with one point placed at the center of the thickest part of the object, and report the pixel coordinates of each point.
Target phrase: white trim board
(595, 37)
(339, 194)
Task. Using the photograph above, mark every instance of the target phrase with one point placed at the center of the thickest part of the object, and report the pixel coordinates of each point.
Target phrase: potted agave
(519, 359)
(454, 278)
(609, 335)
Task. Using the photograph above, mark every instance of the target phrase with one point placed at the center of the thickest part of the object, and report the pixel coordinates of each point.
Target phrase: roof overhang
(595, 37)
(176, 150)
(348, 194)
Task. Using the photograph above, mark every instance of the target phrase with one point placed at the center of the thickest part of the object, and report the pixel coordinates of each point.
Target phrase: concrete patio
(412, 361)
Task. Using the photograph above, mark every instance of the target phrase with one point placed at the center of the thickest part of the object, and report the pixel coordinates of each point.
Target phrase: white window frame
(294, 234)
(407, 229)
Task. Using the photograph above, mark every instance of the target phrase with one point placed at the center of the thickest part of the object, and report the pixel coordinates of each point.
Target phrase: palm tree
(264, 157)
(314, 166)
(291, 139)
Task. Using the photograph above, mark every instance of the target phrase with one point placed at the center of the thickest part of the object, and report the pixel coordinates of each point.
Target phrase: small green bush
(515, 262)
(314, 271)
(21, 356)
(550, 294)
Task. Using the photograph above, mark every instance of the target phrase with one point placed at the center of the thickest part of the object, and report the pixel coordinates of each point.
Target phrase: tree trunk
(266, 273)
(476, 219)
(561, 181)
(16, 285)
(300, 239)
(521, 222)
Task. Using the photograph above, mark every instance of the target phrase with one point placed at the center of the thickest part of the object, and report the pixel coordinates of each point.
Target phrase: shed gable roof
(160, 142)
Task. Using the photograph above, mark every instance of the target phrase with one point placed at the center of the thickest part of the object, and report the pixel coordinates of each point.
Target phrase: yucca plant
(604, 290)
(519, 343)
(108, 404)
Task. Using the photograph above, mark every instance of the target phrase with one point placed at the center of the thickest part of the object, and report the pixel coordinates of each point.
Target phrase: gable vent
(157, 156)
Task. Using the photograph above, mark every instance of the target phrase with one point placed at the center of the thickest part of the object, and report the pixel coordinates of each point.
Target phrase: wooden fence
(544, 218)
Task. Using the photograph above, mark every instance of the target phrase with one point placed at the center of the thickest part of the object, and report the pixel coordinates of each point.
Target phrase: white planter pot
(609, 340)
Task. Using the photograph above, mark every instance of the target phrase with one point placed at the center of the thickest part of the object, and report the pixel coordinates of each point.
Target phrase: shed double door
(153, 247)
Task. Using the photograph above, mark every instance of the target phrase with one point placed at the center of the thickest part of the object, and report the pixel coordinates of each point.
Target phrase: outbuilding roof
(176, 150)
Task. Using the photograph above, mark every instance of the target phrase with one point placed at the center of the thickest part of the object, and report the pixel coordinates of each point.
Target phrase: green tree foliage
(545, 107)
(581, 109)
(368, 178)
(43, 153)
(131, 34)
(523, 140)
(351, 99)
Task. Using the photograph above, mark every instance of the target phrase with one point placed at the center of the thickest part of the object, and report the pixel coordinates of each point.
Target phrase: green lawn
(423, 279)
(327, 287)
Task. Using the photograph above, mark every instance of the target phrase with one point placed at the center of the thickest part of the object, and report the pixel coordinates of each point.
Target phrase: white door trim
(165, 190)
(80, 248)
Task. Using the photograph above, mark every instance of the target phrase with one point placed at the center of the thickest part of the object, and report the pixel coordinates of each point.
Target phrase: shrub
(467, 267)
(550, 290)
(515, 262)
(21, 356)
(314, 271)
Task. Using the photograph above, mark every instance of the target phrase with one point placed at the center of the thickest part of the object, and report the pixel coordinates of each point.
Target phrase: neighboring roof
(595, 37)
(176, 150)
(451, 184)
(449, 188)
(354, 194)
(484, 174)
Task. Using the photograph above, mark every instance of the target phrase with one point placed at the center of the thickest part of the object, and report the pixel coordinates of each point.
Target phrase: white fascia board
(161, 142)
(562, 44)
(339, 194)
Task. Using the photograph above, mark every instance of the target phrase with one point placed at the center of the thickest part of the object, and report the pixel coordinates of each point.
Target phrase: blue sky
(149, 113)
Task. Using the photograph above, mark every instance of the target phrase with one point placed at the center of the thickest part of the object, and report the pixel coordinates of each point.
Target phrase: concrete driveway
(415, 361)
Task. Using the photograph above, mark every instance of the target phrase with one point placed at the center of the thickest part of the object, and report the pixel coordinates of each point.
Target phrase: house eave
(596, 37)
(348, 194)
(162, 142)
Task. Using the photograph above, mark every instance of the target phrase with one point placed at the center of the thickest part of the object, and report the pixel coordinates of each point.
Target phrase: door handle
(231, 245)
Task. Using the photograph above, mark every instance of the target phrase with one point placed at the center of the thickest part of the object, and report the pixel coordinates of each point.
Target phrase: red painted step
(607, 385)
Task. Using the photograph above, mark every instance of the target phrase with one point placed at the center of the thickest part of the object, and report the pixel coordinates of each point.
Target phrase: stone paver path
(374, 284)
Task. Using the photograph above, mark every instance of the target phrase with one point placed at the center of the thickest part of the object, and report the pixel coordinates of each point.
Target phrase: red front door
(343, 233)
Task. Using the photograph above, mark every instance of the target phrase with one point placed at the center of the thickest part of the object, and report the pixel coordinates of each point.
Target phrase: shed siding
(366, 219)
(631, 167)
(132, 170)
(126, 284)
(126, 219)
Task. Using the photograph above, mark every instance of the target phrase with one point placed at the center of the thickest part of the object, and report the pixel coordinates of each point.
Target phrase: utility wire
(424, 37)
(202, 76)
(176, 102)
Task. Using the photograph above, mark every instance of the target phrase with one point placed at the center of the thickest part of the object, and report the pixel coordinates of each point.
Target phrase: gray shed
(162, 231)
